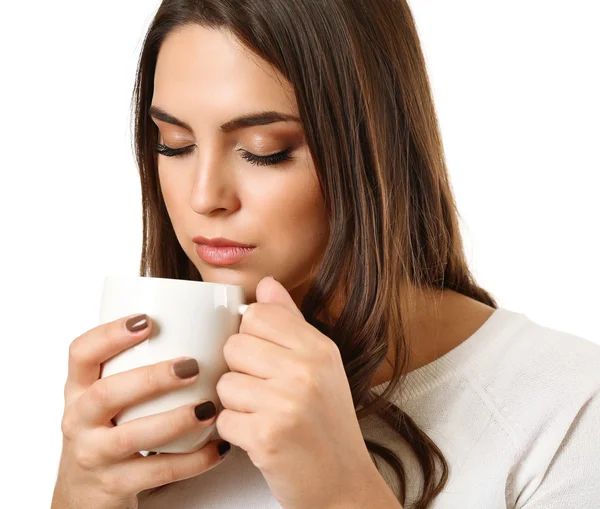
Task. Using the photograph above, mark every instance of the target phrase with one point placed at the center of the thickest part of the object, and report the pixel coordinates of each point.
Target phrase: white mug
(190, 319)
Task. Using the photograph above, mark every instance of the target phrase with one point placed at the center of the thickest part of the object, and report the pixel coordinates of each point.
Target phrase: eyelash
(269, 160)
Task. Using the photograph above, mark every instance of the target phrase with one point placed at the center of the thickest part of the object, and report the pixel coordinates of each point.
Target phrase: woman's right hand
(100, 464)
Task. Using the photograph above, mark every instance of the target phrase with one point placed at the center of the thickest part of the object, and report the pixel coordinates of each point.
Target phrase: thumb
(272, 291)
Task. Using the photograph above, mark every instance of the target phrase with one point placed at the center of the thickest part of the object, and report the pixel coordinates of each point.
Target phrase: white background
(516, 86)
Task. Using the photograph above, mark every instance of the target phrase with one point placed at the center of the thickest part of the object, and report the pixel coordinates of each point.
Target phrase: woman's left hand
(287, 403)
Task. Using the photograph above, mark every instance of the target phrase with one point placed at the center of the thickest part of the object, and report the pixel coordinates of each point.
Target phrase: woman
(372, 371)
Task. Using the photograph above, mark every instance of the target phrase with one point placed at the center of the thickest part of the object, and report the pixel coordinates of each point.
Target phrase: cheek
(173, 190)
(293, 219)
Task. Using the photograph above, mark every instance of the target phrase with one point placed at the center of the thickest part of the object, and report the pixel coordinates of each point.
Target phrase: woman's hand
(287, 402)
(100, 465)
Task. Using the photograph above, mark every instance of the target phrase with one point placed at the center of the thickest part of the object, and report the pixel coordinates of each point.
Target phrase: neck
(443, 320)
(440, 326)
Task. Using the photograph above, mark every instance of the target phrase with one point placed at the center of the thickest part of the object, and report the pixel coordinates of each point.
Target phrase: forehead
(210, 70)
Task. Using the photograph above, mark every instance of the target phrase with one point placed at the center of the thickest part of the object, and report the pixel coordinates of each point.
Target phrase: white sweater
(515, 409)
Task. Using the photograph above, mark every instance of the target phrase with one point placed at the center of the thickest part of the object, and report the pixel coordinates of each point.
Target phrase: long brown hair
(364, 98)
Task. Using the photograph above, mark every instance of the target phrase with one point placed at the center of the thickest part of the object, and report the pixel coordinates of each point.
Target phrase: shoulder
(547, 389)
(535, 374)
(528, 360)
(544, 384)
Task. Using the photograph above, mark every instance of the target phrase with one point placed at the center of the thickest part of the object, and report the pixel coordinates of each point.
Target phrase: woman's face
(204, 80)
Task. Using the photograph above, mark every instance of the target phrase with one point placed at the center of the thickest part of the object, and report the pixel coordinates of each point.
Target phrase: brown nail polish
(205, 411)
(223, 448)
(137, 323)
(186, 368)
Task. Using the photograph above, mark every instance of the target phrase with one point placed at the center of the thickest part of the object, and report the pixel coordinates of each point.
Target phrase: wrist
(367, 490)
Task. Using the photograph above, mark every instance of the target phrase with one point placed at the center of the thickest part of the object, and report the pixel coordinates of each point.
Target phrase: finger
(107, 396)
(238, 428)
(149, 472)
(147, 433)
(97, 345)
(256, 356)
(273, 323)
(272, 291)
(242, 393)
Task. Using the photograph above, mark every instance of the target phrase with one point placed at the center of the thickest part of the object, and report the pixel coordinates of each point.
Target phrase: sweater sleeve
(572, 480)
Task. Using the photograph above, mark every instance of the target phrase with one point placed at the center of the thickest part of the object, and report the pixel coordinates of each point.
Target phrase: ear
(271, 291)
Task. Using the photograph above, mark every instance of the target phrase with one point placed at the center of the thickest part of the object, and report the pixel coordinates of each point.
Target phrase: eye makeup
(268, 160)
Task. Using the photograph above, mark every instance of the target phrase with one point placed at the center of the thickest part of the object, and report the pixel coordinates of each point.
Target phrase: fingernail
(186, 368)
(137, 323)
(223, 448)
(205, 411)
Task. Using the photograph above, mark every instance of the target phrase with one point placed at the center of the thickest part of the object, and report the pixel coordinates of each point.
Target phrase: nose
(214, 190)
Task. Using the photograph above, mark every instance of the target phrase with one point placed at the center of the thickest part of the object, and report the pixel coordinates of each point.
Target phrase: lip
(219, 242)
(221, 252)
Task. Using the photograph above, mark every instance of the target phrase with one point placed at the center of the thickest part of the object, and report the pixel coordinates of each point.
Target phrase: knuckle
(266, 440)
(67, 426)
(124, 442)
(290, 412)
(303, 375)
(85, 458)
(219, 388)
(172, 473)
(253, 312)
(230, 345)
(114, 485)
(222, 383)
(306, 383)
(152, 378)
(180, 421)
(76, 351)
(222, 423)
(114, 331)
(163, 474)
(202, 462)
(250, 312)
(99, 394)
(227, 426)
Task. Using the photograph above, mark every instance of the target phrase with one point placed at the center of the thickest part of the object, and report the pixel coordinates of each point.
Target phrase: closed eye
(173, 152)
(278, 157)
(271, 159)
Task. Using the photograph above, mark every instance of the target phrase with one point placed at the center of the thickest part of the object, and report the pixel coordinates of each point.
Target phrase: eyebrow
(248, 120)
